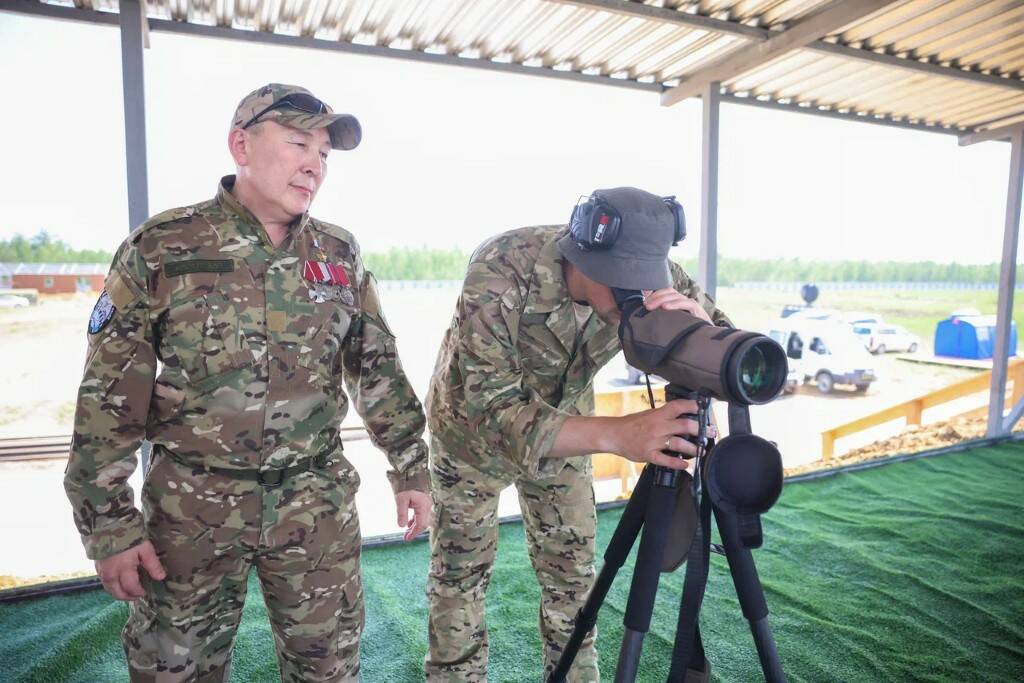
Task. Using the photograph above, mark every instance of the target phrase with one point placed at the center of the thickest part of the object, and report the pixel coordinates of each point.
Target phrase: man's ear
(238, 146)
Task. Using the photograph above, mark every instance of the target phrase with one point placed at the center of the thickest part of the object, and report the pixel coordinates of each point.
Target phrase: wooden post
(914, 410)
(1018, 384)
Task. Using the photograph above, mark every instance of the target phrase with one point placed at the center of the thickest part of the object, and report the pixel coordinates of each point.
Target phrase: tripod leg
(640, 605)
(614, 557)
(751, 595)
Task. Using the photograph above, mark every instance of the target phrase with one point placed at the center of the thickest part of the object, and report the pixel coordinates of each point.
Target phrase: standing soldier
(509, 403)
(255, 312)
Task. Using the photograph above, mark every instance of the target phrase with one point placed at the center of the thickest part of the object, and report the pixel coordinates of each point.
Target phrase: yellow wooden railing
(911, 410)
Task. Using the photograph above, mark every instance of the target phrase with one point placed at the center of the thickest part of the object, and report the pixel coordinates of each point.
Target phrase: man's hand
(419, 504)
(120, 573)
(671, 300)
(641, 437)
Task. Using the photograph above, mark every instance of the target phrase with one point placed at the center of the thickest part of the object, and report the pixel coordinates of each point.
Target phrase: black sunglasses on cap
(299, 101)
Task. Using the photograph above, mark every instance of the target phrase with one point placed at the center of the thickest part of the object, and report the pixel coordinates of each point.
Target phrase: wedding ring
(668, 442)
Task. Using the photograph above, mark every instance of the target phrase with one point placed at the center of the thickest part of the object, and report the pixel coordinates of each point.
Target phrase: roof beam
(42, 9)
(887, 60)
(622, 7)
(758, 34)
(833, 16)
(835, 114)
(36, 8)
(671, 16)
(1005, 133)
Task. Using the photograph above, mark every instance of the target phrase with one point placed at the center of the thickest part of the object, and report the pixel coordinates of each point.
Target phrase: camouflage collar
(231, 204)
(548, 291)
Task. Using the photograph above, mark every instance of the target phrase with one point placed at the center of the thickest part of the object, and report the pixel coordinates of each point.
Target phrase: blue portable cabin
(971, 336)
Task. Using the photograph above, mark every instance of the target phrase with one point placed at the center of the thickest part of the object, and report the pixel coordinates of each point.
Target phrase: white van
(825, 352)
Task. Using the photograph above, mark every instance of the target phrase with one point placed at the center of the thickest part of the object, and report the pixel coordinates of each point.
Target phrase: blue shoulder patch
(102, 312)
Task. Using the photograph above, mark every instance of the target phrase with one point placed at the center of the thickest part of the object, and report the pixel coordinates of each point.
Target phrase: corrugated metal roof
(77, 269)
(954, 64)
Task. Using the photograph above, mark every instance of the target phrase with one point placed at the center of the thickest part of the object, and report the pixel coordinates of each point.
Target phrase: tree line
(409, 263)
(733, 270)
(45, 248)
(403, 263)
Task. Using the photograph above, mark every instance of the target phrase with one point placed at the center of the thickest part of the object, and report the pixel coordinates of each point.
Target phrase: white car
(885, 338)
(824, 352)
(13, 301)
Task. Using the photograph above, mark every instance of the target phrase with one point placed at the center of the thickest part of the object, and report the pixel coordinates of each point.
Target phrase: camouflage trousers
(560, 523)
(303, 539)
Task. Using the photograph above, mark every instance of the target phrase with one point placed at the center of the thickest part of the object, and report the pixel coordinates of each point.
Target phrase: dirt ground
(912, 439)
(43, 351)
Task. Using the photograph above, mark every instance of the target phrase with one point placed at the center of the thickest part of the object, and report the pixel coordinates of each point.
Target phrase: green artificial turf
(906, 572)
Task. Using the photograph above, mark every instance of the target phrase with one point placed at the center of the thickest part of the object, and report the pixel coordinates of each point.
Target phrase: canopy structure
(952, 67)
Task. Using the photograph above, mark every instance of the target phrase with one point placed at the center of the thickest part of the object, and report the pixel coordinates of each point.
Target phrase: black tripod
(651, 508)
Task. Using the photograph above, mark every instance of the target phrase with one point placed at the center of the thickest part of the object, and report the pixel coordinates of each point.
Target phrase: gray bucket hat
(296, 107)
(639, 257)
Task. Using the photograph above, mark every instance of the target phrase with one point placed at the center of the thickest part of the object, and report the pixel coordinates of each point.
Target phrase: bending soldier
(511, 401)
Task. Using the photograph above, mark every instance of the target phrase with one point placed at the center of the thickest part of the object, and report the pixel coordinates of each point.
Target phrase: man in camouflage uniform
(255, 312)
(509, 403)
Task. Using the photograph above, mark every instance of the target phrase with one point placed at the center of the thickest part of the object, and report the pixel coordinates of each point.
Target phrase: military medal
(321, 254)
(327, 281)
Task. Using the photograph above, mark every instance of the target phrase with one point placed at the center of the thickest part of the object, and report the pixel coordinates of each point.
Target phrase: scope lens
(753, 371)
(760, 369)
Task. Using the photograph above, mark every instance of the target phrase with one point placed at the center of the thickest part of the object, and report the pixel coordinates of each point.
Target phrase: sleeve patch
(102, 313)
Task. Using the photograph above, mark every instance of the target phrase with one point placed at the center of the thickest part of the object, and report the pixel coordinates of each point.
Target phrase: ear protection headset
(595, 224)
(680, 219)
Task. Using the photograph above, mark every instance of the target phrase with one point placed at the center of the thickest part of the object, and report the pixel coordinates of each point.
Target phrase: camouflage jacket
(514, 364)
(250, 366)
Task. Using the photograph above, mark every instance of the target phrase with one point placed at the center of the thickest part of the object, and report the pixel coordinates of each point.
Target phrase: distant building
(54, 278)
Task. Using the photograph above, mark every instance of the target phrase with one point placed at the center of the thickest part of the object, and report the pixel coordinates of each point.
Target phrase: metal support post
(708, 259)
(1007, 282)
(133, 87)
(132, 17)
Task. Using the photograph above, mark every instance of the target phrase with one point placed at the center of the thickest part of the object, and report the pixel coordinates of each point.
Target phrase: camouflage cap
(344, 129)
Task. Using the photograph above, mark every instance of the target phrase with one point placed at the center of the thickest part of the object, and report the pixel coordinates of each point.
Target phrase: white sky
(453, 155)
